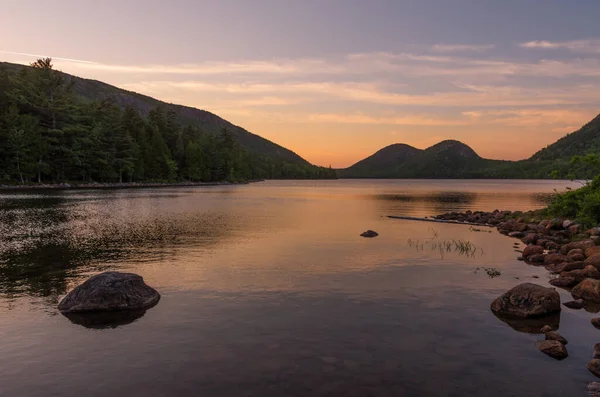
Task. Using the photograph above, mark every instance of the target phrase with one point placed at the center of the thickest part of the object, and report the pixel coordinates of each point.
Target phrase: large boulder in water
(110, 291)
(527, 300)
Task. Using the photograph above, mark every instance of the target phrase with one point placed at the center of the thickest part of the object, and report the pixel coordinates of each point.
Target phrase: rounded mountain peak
(455, 147)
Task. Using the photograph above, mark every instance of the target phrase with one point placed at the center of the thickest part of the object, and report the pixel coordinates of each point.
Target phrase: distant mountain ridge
(447, 159)
(454, 159)
(209, 122)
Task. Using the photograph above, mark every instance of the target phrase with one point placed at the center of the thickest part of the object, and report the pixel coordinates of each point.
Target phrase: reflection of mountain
(104, 320)
(46, 240)
(531, 325)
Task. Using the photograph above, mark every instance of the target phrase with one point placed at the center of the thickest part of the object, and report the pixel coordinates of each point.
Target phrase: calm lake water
(268, 290)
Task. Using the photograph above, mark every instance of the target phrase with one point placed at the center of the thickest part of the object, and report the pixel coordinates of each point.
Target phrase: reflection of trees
(44, 242)
(441, 201)
(531, 325)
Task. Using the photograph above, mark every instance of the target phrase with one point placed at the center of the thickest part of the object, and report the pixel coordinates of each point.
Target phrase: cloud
(47, 56)
(462, 47)
(591, 46)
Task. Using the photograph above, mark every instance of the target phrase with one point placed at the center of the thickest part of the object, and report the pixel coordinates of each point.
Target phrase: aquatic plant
(461, 247)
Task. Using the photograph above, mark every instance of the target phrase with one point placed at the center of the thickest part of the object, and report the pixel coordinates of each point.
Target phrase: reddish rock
(516, 234)
(554, 224)
(538, 258)
(546, 328)
(595, 231)
(530, 238)
(594, 367)
(563, 282)
(592, 272)
(527, 300)
(551, 245)
(596, 351)
(576, 255)
(554, 259)
(593, 250)
(596, 322)
(520, 227)
(532, 250)
(574, 229)
(588, 289)
(579, 274)
(553, 348)
(593, 260)
(565, 267)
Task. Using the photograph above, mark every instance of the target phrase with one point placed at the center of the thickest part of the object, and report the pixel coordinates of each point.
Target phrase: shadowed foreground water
(267, 290)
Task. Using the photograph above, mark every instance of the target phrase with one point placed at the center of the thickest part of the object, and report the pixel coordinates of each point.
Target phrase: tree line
(49, 134)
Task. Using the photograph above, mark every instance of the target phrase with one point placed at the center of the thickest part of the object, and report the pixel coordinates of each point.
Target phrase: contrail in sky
(45, 56)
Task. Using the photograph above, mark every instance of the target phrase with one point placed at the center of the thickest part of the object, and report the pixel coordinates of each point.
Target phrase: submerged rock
(588, 289)
(110, 291)
(563, 282)
(594, 389)
(553, 348)
(369, 234)
(527, 300)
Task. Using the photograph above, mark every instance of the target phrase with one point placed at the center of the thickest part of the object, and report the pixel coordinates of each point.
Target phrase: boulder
(593, 260)
(596, 351)
(552, 245)
(369, 234)
(588, 289)
(579, 275)
(546, 328)
(595, 231)
(594, 389)
(110, 291)
(591, 251)
(537, 258)
(554, 259)
(530, 238)
(554, 224)
(553, 348)
(553, 335)
(594, 367)
(565, 267)
(567, 224)
(520, 226)
(532, 250)
(576, 304)
(582, 245)
(542, 242)
(574, 229)
(563, 282)
(527, 300)
(592, 272)
(596, 322)
(516, 234)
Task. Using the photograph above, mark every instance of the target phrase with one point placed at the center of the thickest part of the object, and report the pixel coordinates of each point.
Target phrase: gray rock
(553, 348)
(110, 291)
(527, 300)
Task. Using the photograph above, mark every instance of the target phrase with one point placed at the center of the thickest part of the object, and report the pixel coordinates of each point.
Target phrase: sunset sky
(336, 80)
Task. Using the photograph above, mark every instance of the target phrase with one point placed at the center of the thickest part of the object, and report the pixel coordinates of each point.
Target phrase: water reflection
(531, 325)
(105, 320)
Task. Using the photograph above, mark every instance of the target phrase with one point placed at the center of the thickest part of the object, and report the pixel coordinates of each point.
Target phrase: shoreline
(115, 186)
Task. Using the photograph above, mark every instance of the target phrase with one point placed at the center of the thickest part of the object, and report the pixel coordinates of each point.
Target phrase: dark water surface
(267, 290)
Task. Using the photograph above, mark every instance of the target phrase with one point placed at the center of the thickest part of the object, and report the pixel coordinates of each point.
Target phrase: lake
(268, 290)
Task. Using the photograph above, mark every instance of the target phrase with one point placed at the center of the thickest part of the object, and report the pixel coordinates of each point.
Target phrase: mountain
(447, 159)
(93, 90)
(453, 159)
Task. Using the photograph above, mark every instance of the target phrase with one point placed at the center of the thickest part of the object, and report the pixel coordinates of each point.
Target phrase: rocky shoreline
(566, 250)
(124, 185)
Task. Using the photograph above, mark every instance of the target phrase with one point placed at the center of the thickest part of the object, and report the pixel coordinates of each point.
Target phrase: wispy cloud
(591, 46)
(47, 56)
(462, 47)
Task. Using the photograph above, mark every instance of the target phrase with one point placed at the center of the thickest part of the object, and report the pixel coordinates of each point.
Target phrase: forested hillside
(58, 128)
